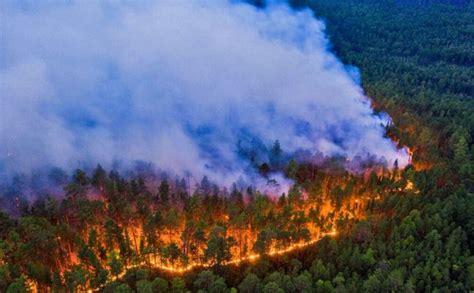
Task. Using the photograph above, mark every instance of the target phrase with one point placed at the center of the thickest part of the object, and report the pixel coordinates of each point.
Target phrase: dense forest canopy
(384, 230)
(416, 61)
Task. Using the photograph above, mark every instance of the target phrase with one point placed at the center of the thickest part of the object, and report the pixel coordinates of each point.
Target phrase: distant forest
(409, 230)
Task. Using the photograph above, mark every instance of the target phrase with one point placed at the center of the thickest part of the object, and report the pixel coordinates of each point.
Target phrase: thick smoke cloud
(177, 83)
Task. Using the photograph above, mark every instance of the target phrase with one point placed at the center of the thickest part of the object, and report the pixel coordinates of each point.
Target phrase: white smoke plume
(177, 83)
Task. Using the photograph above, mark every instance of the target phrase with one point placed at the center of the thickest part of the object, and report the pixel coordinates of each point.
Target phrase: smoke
(178, 83)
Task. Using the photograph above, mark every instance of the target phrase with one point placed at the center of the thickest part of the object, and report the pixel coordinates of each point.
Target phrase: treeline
(107, 226)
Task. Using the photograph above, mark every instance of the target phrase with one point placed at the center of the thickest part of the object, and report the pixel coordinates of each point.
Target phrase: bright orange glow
(179, 244)
(236, 261)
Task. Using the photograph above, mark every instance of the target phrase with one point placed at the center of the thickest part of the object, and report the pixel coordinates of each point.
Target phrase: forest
(385, 229)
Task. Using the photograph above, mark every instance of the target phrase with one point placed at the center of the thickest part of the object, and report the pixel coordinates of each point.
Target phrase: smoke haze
(176, 83)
